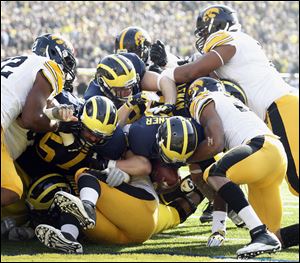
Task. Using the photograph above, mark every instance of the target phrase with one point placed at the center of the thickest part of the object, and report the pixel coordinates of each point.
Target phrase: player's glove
(155, 68)
(139, 98)
(115, 177)
(158, 54)
(69, 126)
(216, 239)
(21, 233)
(7, 224)
(62, 112)
(95, 161)
(165, 109)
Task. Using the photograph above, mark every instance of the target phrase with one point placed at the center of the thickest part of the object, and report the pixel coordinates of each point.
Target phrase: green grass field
(186, 243)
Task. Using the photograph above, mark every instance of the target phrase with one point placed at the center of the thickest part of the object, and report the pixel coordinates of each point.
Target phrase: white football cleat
(216, 239)
(54, 238)
(83, 211)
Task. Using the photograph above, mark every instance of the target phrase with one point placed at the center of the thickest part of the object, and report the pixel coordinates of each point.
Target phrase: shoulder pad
(217, 39)
(54, 75)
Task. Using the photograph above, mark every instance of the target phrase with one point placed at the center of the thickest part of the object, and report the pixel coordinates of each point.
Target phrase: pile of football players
(85, 169)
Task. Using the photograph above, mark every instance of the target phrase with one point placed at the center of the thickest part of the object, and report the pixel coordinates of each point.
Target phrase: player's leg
(11, 183)
(283, 119)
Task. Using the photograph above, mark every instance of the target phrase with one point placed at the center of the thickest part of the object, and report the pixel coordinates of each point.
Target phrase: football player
(121, 75)
(94, 140)
(230, 124)
(136, 40)
(143, 142)
(22, 106)
(234, 55)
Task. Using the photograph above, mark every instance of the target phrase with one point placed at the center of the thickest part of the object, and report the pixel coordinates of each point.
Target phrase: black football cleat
(262, 241)
(207, 213)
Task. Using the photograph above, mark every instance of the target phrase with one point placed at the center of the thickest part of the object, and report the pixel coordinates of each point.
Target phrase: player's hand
(95, 161)
(21, 233)
(165, 108)
(7, 224)
(64, 112)
(69, 126)
(155, 68)
(115, 177)
(139, 98)
(216, 239)
(158, 54)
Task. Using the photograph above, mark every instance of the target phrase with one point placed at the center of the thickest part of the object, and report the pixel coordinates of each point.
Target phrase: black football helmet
(235, 90)
(212, 19)
(177, 140)
(58, 49)
(135, 40)
(201, 85)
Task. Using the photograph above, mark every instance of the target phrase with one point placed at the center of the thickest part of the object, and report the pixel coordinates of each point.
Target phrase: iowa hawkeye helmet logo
(210, 13)
(139, 38)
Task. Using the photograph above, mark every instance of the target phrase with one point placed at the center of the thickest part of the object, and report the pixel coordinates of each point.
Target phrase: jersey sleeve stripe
(199, 106)
(55, 77)
(203, 106)
(217, 39)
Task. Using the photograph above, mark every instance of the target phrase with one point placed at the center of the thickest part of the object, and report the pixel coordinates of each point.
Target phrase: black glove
(155, 68)
(69, 85)
(69, 126)
(95, 161)
(137, 99)
(158, 54)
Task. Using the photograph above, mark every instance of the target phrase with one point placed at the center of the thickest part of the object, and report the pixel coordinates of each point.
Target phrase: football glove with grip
(69, 126)
(139, 98)
(115, 177)
(61, 112)
(97, 162)
(165, 108)
(158, 54)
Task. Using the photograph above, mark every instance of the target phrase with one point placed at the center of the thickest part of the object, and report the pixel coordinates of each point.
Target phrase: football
(164, 178)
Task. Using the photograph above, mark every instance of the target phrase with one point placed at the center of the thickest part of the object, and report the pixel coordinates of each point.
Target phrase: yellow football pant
(127, 214)
(283, 120)
(9, 177)
(123, 218)
(261, 164)
(18, 210)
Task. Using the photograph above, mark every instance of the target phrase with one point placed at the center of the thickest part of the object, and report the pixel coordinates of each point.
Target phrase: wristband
(169, 72)
(158, 82)
(49, 113)
(111, 164)
(196, 171)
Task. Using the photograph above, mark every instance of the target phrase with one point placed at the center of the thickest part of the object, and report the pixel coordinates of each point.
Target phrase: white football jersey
(251, 69)
(240, 124)
(17, 77)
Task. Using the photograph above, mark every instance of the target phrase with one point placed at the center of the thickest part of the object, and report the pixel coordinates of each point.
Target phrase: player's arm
(214, 134)
(152, 81)
(32, 116)
(203, 66)
(134, 164)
